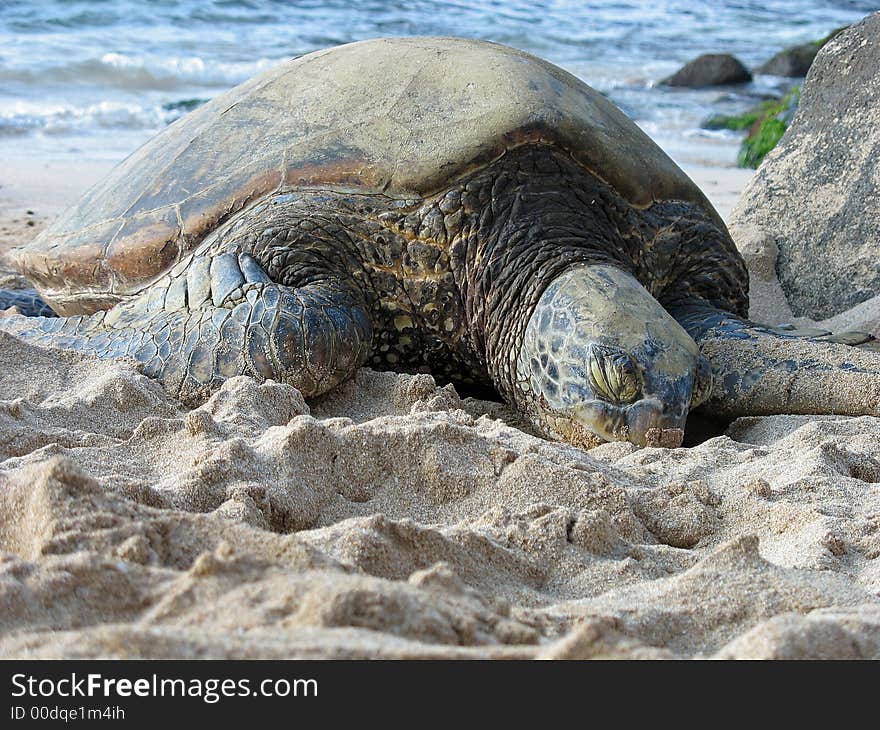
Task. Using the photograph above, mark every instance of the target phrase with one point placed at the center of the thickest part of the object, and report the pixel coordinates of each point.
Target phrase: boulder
(710, 69)
(815, 200)
(796, 60)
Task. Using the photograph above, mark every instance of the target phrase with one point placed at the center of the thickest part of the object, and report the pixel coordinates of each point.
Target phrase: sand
(393, 518)
(722, 185)
(32, 194)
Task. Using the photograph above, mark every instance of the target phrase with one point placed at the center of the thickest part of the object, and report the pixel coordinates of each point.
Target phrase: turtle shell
(402, 117)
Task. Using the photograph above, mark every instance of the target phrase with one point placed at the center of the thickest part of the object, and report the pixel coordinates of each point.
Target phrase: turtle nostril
(613, 375)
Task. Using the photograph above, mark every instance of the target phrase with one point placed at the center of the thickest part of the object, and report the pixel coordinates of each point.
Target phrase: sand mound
(393, 519)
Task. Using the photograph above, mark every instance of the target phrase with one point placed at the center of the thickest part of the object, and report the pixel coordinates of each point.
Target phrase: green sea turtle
(426, 205)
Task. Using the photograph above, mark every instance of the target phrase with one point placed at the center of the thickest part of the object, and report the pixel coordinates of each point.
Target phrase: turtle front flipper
(761, 371)
(222, 316)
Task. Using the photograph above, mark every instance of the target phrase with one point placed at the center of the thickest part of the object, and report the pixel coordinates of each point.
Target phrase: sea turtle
(427, 205)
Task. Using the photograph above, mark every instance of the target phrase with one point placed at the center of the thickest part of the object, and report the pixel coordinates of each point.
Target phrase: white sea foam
(78, 68)
(133, 72)
(62, 119)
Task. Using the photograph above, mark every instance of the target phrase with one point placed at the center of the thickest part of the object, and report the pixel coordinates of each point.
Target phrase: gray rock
(816, 197)
(710, 69)
(796, 60)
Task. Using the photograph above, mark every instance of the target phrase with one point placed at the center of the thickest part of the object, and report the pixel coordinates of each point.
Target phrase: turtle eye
(702, 383)
(613, 375)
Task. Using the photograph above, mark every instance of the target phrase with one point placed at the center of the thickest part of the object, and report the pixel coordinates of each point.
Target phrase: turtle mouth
(645, 423)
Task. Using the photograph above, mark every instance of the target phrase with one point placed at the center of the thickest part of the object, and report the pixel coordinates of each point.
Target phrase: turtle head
(602, 360)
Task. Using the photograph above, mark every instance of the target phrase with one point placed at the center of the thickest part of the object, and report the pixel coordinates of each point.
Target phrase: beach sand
(32, 194)
(393, 518)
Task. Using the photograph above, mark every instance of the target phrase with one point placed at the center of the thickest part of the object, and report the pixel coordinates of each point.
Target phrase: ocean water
(97, 78)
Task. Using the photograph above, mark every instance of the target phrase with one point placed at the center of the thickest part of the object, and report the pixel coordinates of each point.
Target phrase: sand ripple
(392, 519)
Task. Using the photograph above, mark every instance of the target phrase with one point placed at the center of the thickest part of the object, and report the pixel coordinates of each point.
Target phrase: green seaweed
(766, 132)
(766, 123)
(758, 143)
(737, 122)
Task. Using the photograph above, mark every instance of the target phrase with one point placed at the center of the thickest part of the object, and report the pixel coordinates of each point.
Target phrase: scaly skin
(307, 285)
(26, 301)
(259, 328)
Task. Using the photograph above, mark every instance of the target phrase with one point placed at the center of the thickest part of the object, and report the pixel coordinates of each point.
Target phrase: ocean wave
(722, 135)
(25, 117)
(131, 72)
(77, 68)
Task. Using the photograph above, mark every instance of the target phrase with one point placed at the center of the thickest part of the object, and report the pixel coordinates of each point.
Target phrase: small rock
(710, 69)
(796, 60)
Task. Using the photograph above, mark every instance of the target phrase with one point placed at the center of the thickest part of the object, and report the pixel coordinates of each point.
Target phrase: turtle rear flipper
(762, 371)
(847, 337)
(27, 301)
(222, 316)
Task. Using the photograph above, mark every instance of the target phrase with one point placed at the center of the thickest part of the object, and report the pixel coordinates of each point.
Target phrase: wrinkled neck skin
(602, 360)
